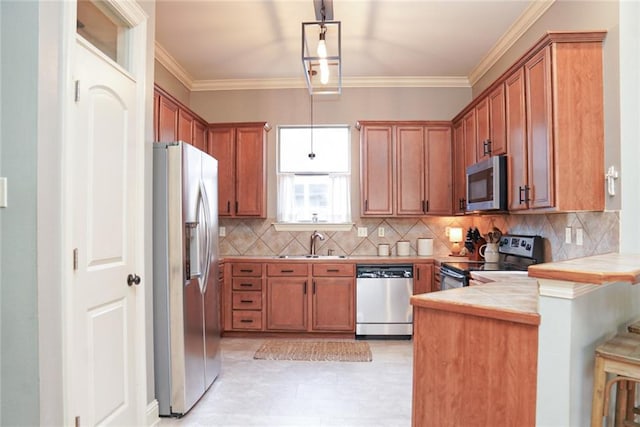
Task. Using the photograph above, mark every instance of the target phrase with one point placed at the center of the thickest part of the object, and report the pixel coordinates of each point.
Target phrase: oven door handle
(453, 274)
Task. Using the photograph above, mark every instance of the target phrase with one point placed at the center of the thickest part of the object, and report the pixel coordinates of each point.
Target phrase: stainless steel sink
(309, 256)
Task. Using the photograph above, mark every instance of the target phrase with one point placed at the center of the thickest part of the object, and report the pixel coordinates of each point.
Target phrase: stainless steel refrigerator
(185, 275)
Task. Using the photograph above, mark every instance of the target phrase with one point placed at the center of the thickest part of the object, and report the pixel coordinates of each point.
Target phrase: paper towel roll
(425, 247)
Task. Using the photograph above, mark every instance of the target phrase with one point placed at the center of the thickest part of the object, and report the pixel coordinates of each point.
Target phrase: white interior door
(104, 209)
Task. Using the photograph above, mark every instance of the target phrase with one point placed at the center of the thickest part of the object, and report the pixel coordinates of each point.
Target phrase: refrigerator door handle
(206, 253)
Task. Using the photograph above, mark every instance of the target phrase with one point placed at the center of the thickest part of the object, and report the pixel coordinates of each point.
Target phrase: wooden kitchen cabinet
(167, 120)
(333, 297)
(406, 168)
(459, 169)
(241, 152)
(423, 170)
(287, 301)
(376, 170)
(173, 121)
(242, 296)
(560, 164)
(490, 125)
(422, 278)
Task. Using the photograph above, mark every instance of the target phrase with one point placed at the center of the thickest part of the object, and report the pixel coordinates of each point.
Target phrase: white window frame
(285, 180)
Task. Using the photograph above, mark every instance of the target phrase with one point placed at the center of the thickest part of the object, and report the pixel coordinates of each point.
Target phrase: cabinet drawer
(247, 301)
(333, 269)
(247, 269)
(284, 269)
(247, 319)
(247, 283)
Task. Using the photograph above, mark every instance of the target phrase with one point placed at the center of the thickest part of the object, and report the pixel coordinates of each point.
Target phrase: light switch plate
(579, 237)
(3, 192)
(380, 231)
(567, 235)
(362, 231)
(222, 232)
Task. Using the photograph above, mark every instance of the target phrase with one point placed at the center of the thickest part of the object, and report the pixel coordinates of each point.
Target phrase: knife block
(475, 254)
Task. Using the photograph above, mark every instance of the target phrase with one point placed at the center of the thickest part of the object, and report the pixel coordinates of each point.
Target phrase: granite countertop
(597, 269)
(511, 299)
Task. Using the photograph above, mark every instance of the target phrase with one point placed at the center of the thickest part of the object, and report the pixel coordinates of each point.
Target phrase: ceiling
(244, 44)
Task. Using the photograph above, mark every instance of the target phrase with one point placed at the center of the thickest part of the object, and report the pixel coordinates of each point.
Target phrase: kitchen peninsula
(520, 351)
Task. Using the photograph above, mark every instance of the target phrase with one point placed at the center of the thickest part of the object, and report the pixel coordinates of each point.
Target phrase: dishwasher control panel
(384, 271)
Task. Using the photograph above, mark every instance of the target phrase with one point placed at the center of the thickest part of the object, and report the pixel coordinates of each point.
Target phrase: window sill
(312, 226)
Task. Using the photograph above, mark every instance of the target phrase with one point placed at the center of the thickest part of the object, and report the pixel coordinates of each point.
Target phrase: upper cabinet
(175, 122)
(490, 125)
(376, 169)
(240, 149)
(546, 113)
(405, 168)
(560, 164)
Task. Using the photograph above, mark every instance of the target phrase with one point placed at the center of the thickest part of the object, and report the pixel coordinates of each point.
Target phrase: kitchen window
(314, 175)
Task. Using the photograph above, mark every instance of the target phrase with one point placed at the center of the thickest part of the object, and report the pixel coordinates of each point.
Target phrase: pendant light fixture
(322, 51)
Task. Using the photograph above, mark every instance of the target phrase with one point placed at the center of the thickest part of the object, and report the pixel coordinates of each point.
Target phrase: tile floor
(274, 393)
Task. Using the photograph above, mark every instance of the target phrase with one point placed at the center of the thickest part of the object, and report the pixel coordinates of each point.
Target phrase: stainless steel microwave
(487, 185)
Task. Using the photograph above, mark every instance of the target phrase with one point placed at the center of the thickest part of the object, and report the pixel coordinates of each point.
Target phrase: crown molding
(406, 81)
(168, 62)
(533, 12)
(353, 82)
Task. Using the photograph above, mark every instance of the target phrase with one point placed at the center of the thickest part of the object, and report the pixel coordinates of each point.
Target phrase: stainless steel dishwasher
(382, 301)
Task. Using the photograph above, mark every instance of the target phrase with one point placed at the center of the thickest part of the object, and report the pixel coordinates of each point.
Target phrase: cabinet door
(200, 135)
(459, 169)
(376, 171)
(221, 142)
(410, 173)
(422, 278)
(333, 304)
(287, 303)
(250, 172)
(516, 140)
(539, 125)
(482, 130)
(185, 126)
(497, 121)
(469, 121)
(438, 170)
(167, 120)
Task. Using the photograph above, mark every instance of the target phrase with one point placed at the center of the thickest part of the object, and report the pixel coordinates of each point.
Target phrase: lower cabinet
(287, 303)
(422, 278)
(333, 296)
(242, 296)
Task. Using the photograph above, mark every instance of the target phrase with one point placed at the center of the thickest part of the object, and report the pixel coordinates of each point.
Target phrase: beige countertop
(339, 259)
(597, 269)
(510, 299)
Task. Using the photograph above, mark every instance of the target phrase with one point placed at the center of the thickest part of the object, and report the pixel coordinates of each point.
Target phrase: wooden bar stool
(619, 356)
(630, 391)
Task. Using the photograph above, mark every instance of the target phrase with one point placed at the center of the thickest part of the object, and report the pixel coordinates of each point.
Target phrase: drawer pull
(286, 271)
(247, 285)
(332, 270)
(246, 270)
(246, 321)
(246, 301)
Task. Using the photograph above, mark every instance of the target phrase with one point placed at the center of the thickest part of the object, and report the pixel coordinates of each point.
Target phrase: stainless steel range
(516, 253)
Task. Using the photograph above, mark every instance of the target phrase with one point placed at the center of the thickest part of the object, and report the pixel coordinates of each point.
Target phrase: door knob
(133, 279)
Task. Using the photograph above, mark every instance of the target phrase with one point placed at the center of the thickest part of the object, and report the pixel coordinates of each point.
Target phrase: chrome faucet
(314, 236)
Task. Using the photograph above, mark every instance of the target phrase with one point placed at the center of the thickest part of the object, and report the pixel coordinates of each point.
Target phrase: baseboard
(153, 414)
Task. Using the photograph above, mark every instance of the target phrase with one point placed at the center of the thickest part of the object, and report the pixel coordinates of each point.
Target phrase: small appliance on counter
(515, 253)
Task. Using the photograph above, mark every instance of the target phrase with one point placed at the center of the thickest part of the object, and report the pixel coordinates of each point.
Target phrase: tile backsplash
(258, 237)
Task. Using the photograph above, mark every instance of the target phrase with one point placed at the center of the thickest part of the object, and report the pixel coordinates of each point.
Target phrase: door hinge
(76, 95)
(75, 259)
(78, 421)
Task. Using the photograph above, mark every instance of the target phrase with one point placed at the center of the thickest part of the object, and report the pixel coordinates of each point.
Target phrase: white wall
(629, 126)
(19, 340)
